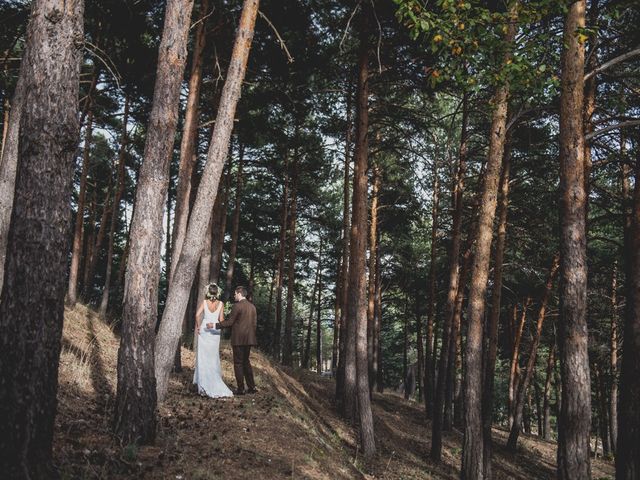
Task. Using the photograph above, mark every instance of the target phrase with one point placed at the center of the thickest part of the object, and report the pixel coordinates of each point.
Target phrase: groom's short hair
(242, 291)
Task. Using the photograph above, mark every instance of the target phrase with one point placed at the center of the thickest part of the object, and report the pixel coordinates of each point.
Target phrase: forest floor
(287, 430)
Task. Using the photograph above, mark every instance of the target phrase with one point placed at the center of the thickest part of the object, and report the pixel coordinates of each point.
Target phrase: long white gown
(208, 373)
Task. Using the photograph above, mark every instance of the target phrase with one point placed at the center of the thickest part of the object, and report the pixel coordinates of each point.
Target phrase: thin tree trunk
(356, 351)
(287, 346)
(603, 411)
(454, 278)
(35, 274)
(523, 384)
(378, 362)
(344, 272)
(515, 360)
(430, 358)
(574, 423)
(76, 252)
(538, 400)
(169, 333)
(90, 238)
(235, 226)
(491, 344)
(627, 458)
(284, 214)
(319, 313)
(371, 301)
(307, 344)
(92, 260)
(613, 363)
(219, 225)
(134, 413)
(115, 217)
(188, 154)
(546, 422)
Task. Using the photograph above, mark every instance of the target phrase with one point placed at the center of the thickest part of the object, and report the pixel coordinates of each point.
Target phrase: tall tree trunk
(523, 384)
(454, 279)
(356, 348)
(92, 260)
(32, 297)
(378, 362)
(613, 362)
(429, 382)
(134, 414)
(491, 342)
(627, 458)
(8, 167)
(515, 359)
(371, 300)
(546, 421)
(284, 214)
(575, 417)
(115, 217)
(319, 313)
(287, 346)
(169, 333)
(219, 225)
(473, 445)
(307, 344)
(344, 267)
(603, 411)
(235, 225)
(188, 153)
(76, 252)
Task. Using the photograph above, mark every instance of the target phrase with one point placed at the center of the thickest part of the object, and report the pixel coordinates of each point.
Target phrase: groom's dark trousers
(242, 367)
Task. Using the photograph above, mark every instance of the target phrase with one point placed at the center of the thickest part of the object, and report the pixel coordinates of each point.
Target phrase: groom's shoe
(239, 392)
(252, 390)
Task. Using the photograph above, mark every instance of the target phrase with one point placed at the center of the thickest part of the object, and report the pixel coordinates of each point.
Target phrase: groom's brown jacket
(242, 321)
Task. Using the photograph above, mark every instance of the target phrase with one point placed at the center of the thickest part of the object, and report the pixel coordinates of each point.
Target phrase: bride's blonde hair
(212, 292)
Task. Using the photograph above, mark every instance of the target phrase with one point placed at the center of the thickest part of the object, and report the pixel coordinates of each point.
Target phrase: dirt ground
(287, 430)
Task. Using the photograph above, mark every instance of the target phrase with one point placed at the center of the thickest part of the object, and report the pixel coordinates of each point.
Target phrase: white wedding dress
(208, 372)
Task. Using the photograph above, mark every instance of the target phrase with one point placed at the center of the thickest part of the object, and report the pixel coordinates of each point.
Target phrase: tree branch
(612, 62)
(282, 44)
(597, 133)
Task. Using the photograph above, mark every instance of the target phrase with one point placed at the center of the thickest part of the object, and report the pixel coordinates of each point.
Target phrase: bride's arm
(221, 319)
(199, 318)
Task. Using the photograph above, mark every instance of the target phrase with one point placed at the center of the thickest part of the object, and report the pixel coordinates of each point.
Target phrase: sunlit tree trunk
(134, 412)
(371, 300)
(35, 274)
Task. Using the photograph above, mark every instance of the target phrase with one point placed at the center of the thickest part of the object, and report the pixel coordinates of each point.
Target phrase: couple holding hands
(209, 322)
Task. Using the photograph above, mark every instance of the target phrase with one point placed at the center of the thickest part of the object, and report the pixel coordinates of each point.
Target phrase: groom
(242, 321)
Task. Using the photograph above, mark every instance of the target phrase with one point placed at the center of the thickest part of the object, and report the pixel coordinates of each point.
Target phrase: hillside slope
(287, 430)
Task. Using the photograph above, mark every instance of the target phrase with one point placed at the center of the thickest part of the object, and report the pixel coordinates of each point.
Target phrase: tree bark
(169, 333)
(76, 252)
(188, 153)
(8, 168)
(473, 445)
(371, 301)
(356, 379)
(430, 358)
(32, 297)
(575, 417)
(523, 384)
(115, 217)
(134, 415)
(287, 346)
(454, 278)
(627, 458)
(491, 342)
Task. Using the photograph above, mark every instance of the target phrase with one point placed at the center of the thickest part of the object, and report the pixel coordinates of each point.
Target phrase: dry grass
(287, 430)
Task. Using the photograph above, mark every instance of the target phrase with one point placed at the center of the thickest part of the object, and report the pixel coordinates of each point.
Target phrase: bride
(208, 373)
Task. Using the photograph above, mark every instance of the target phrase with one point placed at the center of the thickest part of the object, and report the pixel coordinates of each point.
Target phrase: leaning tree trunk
(287, 345)
(357, 310)
(188, 153)
(524, 382)
(170, 326)
(235, 225)
(32, 299)
(473, 444)
(454, 279)
(76, 251)
(134, 415)
(491, 346)
(429, 381)
(627, 457)
(8, 168)
(115, 216)
(574, 423)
